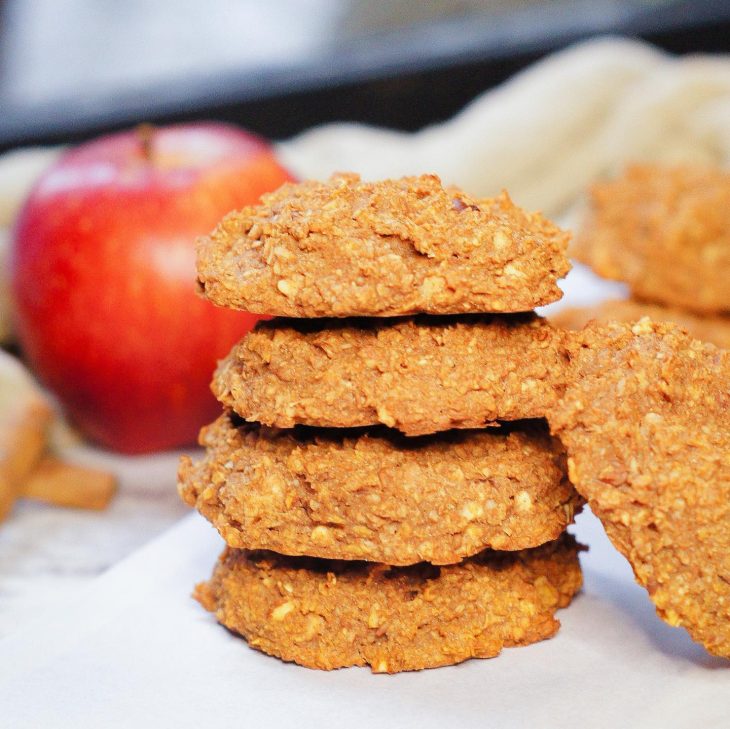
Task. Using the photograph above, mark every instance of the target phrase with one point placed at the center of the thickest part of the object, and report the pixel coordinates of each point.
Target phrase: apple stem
(145, 134)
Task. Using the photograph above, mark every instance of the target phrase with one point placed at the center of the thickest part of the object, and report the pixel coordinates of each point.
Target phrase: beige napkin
(549, 131)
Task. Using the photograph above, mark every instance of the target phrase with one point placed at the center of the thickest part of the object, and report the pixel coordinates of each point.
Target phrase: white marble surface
(49, 553)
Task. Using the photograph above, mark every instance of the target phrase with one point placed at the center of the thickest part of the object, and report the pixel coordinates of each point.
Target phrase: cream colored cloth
(551, 130)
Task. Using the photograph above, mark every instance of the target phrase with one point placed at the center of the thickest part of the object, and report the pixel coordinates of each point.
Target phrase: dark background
(72, 68)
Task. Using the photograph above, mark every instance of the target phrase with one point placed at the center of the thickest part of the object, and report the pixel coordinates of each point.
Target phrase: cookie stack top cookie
(351, 248)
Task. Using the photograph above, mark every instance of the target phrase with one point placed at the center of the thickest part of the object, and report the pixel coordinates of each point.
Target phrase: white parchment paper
(134, 650)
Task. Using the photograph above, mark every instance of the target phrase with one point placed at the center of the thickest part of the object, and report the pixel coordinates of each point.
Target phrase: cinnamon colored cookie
(709, 328)
(646, 424)
(418, 375)
(326, 615)
(666, 232)
(379, 496)
(351, 248)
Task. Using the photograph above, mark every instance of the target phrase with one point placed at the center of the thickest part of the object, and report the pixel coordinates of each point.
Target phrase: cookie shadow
(634, 603)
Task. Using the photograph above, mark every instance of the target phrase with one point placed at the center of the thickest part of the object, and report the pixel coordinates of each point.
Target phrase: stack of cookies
(665, 231)
(383, 474)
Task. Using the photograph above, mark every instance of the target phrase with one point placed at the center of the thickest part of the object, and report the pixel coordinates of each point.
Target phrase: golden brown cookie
(419, 375)
(352, 248)
(326, 615)
(666, 232)
(379, 496)
(714, 329)
(646, 424)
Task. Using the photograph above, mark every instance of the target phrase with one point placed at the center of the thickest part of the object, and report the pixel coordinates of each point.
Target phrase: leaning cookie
(666, 232)
(646, 423)
(420, 375)
(327, 615)
(714, 329)
(379, 496)
(352, 248)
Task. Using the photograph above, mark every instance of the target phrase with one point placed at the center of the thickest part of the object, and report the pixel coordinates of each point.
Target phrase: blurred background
(71, 68)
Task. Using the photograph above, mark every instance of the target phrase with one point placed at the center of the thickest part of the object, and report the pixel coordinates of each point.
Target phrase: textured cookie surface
(665, 231)
(418, 375)
(379, 496)
(329, 615)
(352, 248)
(646, 425)
(708, 328)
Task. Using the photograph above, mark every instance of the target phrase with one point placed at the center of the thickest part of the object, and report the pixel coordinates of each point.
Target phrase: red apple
(103, 273)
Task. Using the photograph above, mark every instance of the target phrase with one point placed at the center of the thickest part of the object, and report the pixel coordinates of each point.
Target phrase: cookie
(352, 248)
(646, 424)
(714, 329)
(419, 375)
(24, 419)
(327, 615)
(666, 232)
(378, 496)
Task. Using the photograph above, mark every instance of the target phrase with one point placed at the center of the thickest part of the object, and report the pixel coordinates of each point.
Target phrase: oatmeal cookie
(714, 329)
(378, 496)
(666, 232)
(352, 248)
(420, 375)
(327, 615)
(646, 424)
